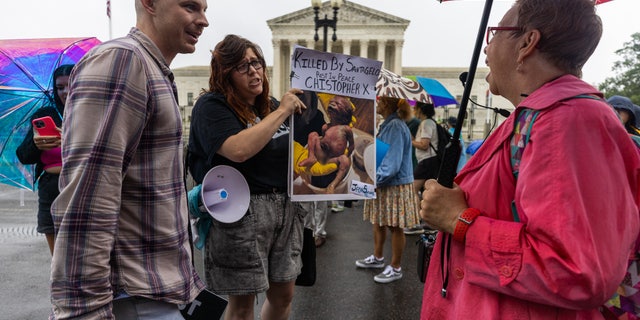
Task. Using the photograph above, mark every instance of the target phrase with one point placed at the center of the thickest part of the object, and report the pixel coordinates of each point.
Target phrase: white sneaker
(337, 208)
(388, 275)
(370, 262)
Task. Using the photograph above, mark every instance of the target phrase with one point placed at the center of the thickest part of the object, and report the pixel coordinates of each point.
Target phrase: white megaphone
(225, 194)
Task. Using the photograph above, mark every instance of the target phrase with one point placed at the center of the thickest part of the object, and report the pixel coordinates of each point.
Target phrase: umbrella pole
(449, 163)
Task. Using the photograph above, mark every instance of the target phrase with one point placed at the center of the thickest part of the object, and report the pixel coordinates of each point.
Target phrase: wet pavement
(342, 291)
(24, 258)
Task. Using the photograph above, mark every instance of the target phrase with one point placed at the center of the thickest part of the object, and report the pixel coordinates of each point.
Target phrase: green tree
(626, 79)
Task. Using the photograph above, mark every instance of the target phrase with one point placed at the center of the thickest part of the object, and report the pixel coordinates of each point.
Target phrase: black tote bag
(307, 277)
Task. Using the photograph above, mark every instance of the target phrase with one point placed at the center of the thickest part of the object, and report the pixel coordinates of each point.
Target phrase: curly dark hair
(427, 109)
(227, 54)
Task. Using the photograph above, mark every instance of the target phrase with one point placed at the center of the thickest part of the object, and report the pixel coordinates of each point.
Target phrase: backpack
(636, 140)
(443, 139)
(622, 305)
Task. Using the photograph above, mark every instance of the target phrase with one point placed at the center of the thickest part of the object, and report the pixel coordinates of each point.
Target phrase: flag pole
(109, 15)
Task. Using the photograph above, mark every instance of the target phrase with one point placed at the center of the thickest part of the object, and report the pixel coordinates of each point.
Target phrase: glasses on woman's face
(244, 67)
(491, 31)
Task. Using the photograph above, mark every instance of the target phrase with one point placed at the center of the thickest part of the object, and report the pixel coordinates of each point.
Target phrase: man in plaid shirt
(121, 218)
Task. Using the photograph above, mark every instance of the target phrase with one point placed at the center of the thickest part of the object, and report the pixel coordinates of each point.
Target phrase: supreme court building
(361, 31)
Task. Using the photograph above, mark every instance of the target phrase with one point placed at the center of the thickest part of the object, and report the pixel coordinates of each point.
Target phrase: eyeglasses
(244, 67)
(491, 31)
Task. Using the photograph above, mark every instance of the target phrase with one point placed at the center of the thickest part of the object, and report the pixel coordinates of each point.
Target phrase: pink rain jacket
(577, 199)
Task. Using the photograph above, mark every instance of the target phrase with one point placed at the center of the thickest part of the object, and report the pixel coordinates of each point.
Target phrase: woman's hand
(291, 103)
(46, 142)
(247, 143)
(440, 206)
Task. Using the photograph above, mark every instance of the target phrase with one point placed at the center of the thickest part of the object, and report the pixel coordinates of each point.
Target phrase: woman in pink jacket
(540, 223)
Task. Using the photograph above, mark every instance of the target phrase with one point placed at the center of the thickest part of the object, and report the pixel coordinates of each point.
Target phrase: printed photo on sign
(330, 141)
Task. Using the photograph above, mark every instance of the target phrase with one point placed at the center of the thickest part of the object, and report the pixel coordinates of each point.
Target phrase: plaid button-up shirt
(121, 217)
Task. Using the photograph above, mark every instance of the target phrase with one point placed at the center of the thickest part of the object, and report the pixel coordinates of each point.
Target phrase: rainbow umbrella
(439, 95)
(26, 84)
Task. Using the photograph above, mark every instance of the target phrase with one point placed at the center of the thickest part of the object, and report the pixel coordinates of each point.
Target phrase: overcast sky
(439, 35)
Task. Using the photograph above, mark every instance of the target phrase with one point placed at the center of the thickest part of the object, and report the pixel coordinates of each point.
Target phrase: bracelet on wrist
(465, 219)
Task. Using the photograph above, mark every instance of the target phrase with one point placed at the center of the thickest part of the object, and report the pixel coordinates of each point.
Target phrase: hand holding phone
(45, 126)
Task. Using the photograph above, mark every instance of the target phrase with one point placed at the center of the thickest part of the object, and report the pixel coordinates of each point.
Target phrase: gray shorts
(242, 257)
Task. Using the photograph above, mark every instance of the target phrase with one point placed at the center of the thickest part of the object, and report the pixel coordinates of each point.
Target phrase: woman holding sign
(237, 123)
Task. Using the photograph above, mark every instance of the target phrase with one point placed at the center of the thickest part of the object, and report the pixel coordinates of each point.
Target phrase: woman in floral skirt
(394, 207)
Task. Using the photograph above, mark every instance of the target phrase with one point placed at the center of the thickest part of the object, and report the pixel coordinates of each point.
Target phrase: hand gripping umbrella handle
(449, 163)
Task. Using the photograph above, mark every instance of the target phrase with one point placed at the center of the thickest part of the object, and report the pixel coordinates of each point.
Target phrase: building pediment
(350, 13)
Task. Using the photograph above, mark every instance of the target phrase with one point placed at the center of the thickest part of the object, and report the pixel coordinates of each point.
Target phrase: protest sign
(330, 138)
(334, 73)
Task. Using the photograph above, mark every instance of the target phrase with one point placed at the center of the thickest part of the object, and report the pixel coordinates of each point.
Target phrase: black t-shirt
(212, 122)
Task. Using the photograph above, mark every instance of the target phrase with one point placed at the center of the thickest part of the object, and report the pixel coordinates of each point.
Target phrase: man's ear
(148, 5)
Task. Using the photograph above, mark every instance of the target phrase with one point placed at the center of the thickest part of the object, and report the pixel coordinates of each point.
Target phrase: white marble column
(286, 77)
(276, 76)
(397, 61)
(364, 48)
(346, 47)
(381, 50)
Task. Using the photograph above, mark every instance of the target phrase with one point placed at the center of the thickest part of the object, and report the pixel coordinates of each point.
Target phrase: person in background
(237, 123)
(628, 112)
(539, 229)
(451, 124)
(316, 220)
(44, 152)
(122, 240)
(425, 144)
(337, 206)
(413, 123)
(394, 207)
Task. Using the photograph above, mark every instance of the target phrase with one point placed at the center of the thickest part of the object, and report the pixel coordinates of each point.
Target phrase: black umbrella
(451, 156)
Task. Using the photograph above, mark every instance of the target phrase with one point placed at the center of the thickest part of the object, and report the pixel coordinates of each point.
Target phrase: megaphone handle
(213, 197)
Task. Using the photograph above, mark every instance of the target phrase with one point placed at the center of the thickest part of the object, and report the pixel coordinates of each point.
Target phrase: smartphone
(45, 126)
